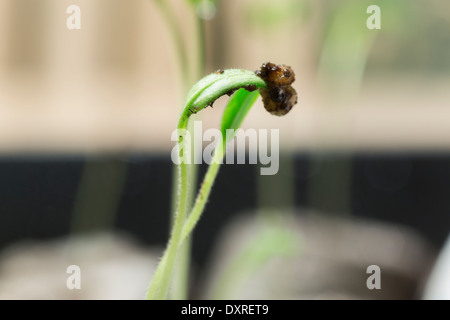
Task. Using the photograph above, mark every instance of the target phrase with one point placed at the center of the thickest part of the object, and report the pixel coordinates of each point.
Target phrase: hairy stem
(203, 194)
(161, 280)
(179, 235)
(180, 283)
(181, 272)
(156, 280)
(181, 228)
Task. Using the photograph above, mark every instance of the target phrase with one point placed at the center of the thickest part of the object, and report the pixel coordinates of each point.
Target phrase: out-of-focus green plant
(347, 42)
(271, 240)
(271, 16)
(344, 53)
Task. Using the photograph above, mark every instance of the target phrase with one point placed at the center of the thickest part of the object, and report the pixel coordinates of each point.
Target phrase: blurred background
(86, 118)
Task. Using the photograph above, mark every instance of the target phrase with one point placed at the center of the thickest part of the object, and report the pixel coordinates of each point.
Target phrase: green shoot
(203, 94)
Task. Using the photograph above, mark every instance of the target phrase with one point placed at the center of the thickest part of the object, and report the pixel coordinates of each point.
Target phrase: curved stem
(161, 280)
(180, 284)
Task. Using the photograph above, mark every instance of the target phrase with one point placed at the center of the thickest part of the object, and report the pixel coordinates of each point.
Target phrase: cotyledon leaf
(215, 85)
(236, 110)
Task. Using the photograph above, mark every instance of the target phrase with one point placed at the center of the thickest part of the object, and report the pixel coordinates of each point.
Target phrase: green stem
(176, 233)
(162, 274)
(180, 282)
(203, 194)
(181, 273)
(156, 280)
(161, 280)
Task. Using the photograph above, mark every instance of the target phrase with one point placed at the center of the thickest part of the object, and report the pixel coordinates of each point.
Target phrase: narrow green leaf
(236, 110)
